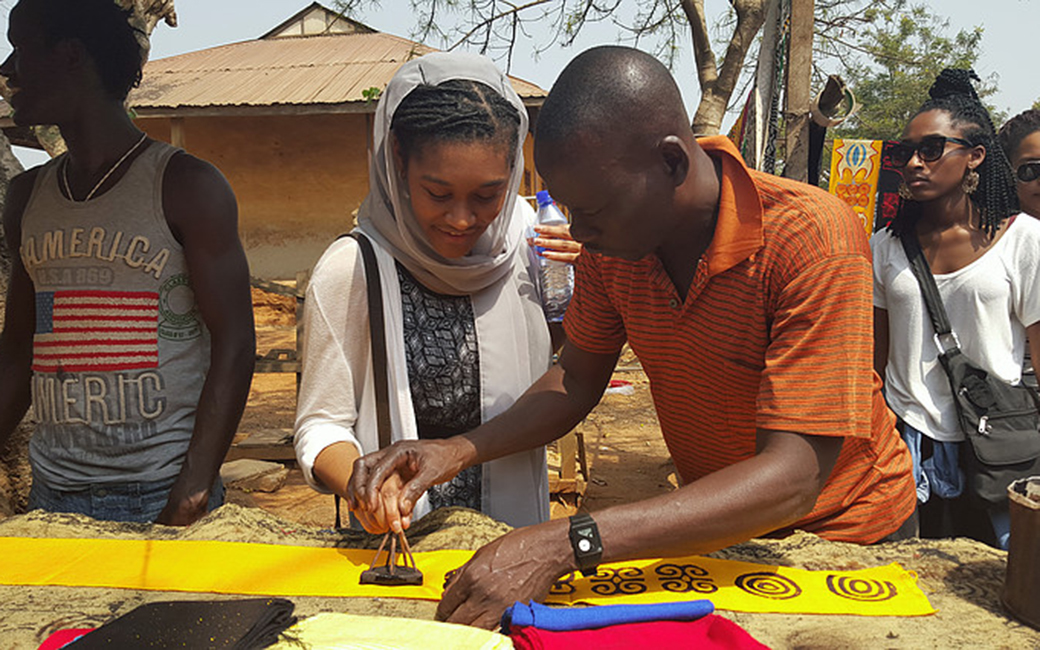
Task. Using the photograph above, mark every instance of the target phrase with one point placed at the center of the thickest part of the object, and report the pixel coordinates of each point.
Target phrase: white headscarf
(386, 215)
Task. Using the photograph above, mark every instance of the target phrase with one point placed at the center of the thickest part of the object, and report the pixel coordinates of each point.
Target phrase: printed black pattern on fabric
(440, 342)
(462, 491)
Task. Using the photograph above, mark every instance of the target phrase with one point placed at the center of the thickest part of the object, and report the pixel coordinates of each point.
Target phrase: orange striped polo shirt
(776, 333)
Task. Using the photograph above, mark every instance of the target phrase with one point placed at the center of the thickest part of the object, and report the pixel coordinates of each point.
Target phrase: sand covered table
(962, 579)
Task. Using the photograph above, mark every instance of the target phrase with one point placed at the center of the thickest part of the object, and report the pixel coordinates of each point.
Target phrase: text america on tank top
(120, 352)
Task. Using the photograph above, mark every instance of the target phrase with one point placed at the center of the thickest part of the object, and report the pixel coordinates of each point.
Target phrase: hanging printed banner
(855, 167)
(279, 570)
(888, 201)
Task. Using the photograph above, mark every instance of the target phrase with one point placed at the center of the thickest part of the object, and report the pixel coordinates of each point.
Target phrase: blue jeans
(136, 502)
(941, 475)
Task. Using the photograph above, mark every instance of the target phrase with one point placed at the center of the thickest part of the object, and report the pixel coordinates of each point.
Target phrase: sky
(1009, 27)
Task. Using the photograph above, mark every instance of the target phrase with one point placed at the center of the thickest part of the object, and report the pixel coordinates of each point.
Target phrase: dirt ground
(627, 461)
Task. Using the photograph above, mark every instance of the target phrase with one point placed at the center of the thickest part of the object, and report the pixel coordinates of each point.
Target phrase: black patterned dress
(440, 344)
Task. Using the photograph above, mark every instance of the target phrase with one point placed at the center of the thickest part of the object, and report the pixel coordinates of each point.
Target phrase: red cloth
(61, 638)
(712, 632)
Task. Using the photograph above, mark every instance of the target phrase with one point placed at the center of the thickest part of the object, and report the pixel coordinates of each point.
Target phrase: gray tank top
(120, 352)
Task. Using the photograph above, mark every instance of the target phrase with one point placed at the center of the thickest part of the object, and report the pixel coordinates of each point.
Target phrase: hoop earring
(904, 191)
(970, 182)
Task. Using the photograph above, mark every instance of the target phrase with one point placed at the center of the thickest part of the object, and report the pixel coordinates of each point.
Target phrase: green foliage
(1036, 105)
(372, 94)
(902, 49)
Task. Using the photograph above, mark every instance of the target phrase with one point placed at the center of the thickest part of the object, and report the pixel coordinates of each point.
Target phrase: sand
(962, 579)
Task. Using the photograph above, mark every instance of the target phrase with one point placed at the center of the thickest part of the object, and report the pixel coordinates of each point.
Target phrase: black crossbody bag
(1000, 420)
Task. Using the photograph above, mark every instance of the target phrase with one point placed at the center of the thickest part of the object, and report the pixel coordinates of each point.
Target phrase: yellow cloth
(855, 169)
(216, 567)
(275, 570)
(747, 587)
(352, 632)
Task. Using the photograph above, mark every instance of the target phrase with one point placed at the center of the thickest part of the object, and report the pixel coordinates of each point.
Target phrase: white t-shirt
(990, 302)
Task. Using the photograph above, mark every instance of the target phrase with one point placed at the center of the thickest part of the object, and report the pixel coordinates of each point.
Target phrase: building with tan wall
(287, 118)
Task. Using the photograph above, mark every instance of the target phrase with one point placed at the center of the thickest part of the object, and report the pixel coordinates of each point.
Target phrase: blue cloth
(568, 619)
(134, 502)
(940, 474)
(1001, 521)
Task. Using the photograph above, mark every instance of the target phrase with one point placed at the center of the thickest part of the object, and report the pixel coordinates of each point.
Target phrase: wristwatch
(585, 541)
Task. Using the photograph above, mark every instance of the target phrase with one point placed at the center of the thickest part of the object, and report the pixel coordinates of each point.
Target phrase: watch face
(584, 545)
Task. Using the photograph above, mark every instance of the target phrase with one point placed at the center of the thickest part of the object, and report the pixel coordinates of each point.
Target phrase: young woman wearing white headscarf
(466, 334)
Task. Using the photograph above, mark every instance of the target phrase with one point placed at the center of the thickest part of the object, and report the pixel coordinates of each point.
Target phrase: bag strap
(377, 333)
(944, 334)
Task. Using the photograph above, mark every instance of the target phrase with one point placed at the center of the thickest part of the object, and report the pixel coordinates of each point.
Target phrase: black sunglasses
(929, 149)
(1029, 171)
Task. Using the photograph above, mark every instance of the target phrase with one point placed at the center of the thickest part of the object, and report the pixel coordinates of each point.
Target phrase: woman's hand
(557, 242)
(386, 515)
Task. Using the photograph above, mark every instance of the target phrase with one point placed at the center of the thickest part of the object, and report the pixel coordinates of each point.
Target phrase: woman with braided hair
(465, 331)
(959, 200)
(1020, 138)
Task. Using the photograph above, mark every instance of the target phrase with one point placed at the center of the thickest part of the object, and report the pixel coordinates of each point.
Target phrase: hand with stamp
(385, 485)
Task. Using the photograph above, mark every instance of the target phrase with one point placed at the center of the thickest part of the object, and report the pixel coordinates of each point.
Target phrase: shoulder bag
(1001, 420)
(378, 337)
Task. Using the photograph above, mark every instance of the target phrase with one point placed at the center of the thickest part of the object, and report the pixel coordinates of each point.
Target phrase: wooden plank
(274, 287)
(568, 446)
(267, 444)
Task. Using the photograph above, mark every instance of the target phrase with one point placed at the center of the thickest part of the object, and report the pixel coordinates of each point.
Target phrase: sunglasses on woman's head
(1028, 171)
(929, 149)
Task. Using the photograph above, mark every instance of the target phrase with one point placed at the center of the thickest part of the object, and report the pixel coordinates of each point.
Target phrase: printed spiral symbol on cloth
(769, 585)
(626, 580)
(564, 586)
(685, 577)
(860, 589)
(450, 575)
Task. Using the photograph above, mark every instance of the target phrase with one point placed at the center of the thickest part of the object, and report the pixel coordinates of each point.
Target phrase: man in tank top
(129, 327)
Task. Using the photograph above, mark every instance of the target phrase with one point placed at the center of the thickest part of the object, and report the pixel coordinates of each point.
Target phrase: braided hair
(995, 198)
(458, 110)
(1018, 129)
(102, 27)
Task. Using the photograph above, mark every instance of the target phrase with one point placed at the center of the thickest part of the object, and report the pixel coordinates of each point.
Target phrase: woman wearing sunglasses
(959, 200)
(1020, 138)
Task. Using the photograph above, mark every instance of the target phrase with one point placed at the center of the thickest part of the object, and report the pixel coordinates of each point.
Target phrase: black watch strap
(586, 544)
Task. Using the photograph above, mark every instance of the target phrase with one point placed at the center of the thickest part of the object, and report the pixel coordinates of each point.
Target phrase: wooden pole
(798, 92)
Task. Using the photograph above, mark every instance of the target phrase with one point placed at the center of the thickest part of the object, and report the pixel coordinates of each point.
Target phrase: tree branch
(750, 16)
(707, 72)
(487, 22)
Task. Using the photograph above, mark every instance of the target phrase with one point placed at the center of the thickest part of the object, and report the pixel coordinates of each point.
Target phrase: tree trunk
(710, 112)
(717, 83)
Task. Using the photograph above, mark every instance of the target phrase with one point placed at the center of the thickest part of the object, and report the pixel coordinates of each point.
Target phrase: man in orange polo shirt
(747, 299)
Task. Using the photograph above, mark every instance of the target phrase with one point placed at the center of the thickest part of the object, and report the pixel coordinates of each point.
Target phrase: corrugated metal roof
(292, 72)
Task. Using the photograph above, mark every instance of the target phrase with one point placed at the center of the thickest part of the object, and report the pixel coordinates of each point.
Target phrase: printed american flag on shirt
(102, 331)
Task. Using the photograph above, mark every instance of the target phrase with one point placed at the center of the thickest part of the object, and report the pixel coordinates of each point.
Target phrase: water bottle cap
(543, 198)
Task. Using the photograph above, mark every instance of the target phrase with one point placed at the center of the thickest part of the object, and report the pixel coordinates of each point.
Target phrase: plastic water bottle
(557, 278)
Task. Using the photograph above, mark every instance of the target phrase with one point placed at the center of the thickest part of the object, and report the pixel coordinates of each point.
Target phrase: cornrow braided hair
(996, 197)
(1018, 129)
(105, 31)
(458, 110)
